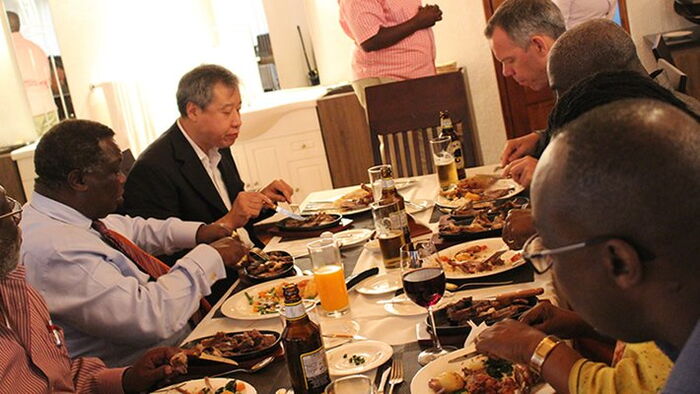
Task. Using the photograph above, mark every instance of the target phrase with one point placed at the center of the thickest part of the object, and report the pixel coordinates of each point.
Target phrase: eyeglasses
(541, 258)
(15, 210)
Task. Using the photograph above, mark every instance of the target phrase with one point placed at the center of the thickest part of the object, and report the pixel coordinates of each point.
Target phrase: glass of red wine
(424, 284)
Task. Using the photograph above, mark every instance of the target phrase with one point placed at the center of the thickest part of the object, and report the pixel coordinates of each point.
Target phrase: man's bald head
(13, 18)
(589, 48)
(625, 168)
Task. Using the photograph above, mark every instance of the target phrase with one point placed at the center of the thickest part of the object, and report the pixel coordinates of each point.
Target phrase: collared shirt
(210, 162)
(31, 361)
(36, 74)
(685, 376)
(578, 11)
(106, 305)
(412, 57)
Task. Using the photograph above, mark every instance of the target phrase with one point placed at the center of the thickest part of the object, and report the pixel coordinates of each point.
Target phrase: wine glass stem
(436, 340)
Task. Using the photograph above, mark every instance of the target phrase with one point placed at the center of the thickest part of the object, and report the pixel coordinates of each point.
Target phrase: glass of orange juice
(329, 276)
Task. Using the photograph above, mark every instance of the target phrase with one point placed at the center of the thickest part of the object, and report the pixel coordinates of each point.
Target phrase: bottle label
(294, 311)
(455, 149)
(315, 368)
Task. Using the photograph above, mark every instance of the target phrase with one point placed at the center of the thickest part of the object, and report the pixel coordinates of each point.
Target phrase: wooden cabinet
(295, 154)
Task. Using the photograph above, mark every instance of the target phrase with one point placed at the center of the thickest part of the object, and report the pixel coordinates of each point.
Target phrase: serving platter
(502, 183)
(510, 258)
(238, 306)
(242, 356)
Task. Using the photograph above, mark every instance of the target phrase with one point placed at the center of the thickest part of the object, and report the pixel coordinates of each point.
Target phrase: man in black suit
(189, 172)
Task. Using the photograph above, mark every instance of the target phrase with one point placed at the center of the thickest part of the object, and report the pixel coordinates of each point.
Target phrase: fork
(396, 373)
(485, 284)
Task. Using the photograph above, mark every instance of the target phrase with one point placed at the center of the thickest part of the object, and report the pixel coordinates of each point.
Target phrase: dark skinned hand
(152, 367)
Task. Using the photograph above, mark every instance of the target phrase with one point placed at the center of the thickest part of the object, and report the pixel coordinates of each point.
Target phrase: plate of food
(236, 346)
(346, 201)
(209, 386)
(475, 259)
(497, 207)
(456, 317)
(476, 374)
(317, 221)
(358, 357)
(264, 300)
(476, 227)
(477, 188)
(265, 266)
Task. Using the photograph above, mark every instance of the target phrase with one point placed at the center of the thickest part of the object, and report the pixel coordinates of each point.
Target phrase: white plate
(338, 326)
(493, 244)
(375, 353)
(419, 383)
(237, 306)
(380, 284)
(503, 183)
(404, 307)
(404, 183)
(353, 237)
(419, 205)
(192, 385)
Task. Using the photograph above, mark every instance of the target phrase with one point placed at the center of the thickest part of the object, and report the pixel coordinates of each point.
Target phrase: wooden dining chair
(403, 116)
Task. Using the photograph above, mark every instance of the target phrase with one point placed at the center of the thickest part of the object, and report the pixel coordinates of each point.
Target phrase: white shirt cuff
(208, 260)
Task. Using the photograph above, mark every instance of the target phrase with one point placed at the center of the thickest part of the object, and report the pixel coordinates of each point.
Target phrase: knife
(353, 280)
(288, 213)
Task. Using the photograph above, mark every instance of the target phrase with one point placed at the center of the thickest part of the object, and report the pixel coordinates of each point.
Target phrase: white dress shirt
(579, 11)
(107, 307)
(210, 162)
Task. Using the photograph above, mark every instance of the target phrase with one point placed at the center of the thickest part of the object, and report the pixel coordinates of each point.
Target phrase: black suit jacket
(169, 180)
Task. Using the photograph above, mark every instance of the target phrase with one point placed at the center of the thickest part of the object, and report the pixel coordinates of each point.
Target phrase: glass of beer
(444, 162)
(387, 223)
(329, 276)
(375, 180)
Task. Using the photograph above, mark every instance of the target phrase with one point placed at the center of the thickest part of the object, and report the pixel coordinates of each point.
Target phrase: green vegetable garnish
(496, 368)
(249, 297)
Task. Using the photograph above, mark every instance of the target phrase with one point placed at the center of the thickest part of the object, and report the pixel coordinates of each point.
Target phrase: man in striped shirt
(33, 356)
(393, 40)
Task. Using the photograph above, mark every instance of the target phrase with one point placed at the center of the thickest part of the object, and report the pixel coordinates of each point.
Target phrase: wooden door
(526, 110)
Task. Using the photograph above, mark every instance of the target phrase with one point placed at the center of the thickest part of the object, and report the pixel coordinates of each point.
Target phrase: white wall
(332, 47)
(650, 17)
(283, 16)
(16, 125)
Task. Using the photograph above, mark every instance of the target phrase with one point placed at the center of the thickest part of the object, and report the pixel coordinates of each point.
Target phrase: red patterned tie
(147, 262)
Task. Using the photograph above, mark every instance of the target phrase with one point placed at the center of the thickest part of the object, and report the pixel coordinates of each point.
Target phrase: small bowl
(288, 268)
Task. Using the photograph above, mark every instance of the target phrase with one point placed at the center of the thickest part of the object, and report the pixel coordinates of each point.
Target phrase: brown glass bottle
(303, 346)
(389, 193)
(448, 130)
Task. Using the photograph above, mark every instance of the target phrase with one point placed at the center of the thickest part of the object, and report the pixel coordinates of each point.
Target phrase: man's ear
(539, 44)
(622, 263)
(76, 180)
(192, 110)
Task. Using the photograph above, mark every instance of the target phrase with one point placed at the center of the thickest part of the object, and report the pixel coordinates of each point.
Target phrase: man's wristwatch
(546, 345)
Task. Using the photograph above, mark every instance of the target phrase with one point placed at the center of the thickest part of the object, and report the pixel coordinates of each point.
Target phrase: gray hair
(595, 46)
(197, 85)
(522, 19)
(13, 18)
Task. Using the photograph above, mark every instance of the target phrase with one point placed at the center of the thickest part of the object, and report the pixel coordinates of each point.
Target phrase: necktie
(147, 262)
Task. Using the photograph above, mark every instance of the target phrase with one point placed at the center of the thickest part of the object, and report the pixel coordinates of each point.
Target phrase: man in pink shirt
(36, 75)
(393, 40)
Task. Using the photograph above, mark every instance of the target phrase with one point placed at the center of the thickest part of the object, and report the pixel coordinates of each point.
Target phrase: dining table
(370, 312)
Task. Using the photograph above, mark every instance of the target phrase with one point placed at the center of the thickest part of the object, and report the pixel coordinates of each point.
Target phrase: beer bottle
(389, 193)
(447, 130)
(303, 346)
